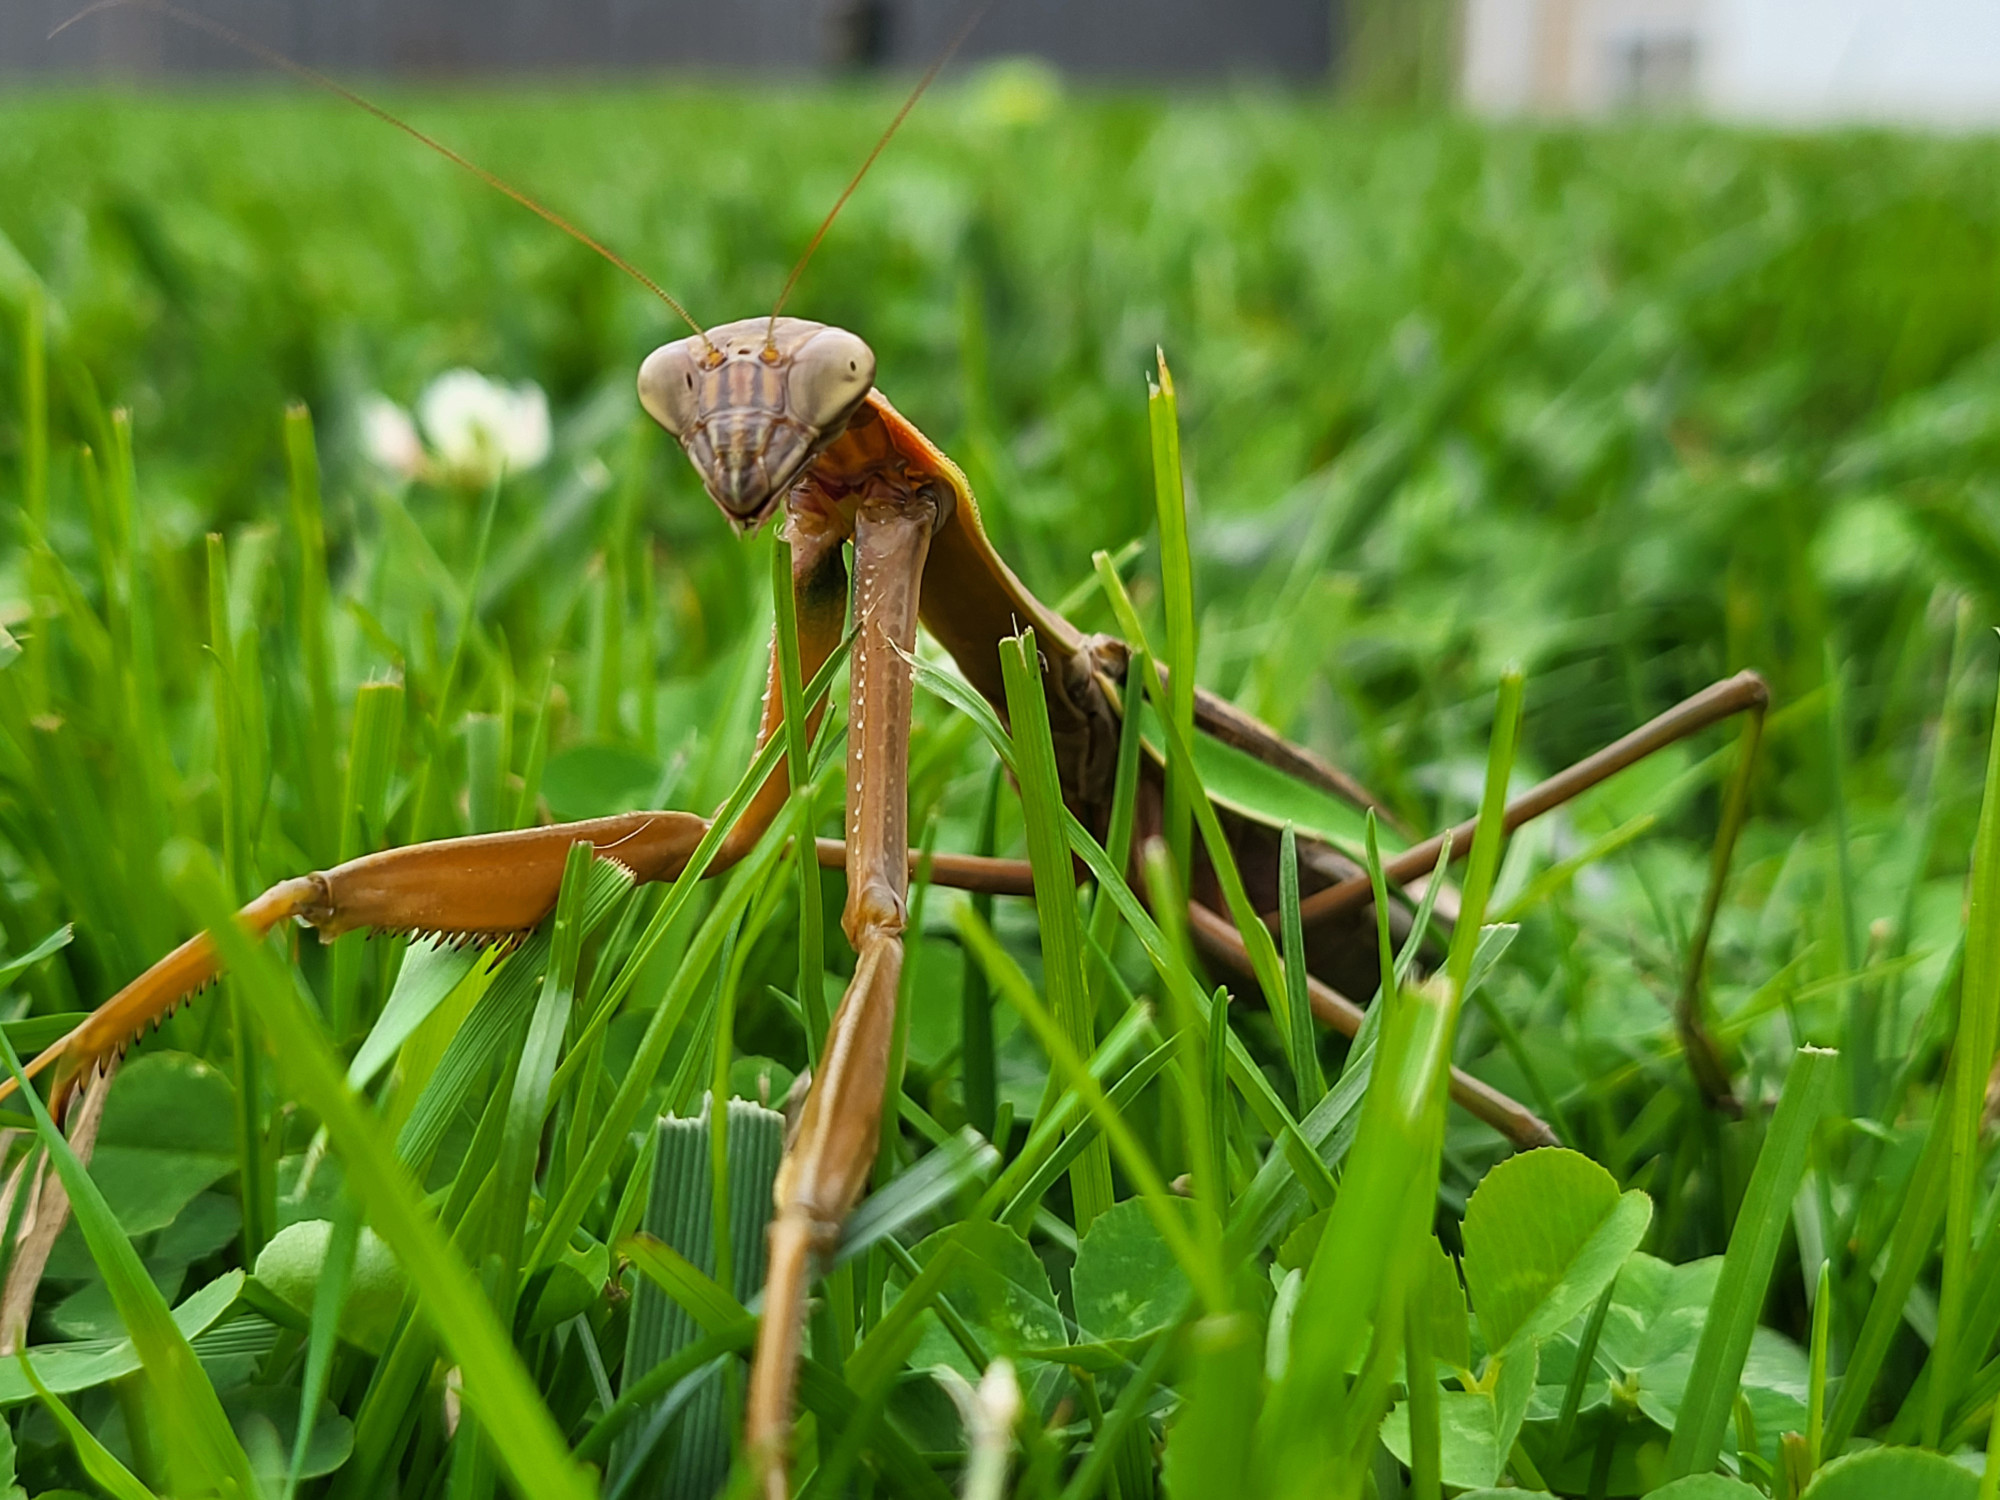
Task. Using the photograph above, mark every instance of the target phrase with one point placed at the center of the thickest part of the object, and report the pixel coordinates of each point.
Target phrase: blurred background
(1798, 60)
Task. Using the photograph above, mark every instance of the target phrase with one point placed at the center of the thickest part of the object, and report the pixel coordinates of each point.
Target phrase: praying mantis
(783, 422)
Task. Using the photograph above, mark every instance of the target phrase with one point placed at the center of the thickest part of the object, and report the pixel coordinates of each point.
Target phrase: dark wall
(1134, 38)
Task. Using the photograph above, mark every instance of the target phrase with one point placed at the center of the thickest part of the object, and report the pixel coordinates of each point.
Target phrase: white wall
(1934, 62)
(1923, 61)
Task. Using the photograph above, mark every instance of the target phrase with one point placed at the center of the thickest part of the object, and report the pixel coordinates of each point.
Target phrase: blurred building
(1132, 38)
(1796, 61)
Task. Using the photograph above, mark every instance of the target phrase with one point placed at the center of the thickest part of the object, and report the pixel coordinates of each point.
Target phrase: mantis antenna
(977, 14)
(198, 22)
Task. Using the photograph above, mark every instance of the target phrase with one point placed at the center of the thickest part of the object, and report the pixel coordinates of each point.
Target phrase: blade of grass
(258, 1176)
(618, 1116)
(1055, 892)
(1264, 961)
(329, 1297)
(1862, 1031)
(1714, 1378)
(527, 806)
(979, 1078)
(798, 758)
(1483, 864)
(1177, 595)
(98, 1461)
(497, 1387)
(1203, 1271)
(1355, 1281)
(497, 1021)
(485, 767)
(687, 1284)
(1822, 1325)
(527, 1109)
(1126, 1416)
(1020, 1209)
(1425, 1461)
(1351, 1284)
(201, 1448)
(656, 1382)
(309, 536)
(1301, 1050)
(35, 481)
(1971, 1061)
(1581, 1374)
(376, 733)
(1909, 1250)
(1205, 1154)
(1103, 929)
(1162, 954)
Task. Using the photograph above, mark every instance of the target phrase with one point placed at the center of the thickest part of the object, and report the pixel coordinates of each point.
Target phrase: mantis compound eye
(668, 382)
(831, 373)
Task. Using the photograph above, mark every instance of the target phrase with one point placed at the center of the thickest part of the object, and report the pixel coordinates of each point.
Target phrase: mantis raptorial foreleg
(489, 887)
(828, 1163)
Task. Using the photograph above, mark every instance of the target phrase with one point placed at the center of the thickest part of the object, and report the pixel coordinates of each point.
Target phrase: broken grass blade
(690, 1287)
(658, 1382)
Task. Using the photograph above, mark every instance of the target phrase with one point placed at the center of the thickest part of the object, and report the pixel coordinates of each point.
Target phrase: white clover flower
(479, 428)
(989, 1411)
(390, 437)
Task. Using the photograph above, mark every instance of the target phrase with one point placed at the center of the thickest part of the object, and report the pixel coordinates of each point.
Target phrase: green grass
(1629, 409)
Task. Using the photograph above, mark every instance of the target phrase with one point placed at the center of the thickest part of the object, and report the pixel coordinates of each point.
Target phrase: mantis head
(754, 403)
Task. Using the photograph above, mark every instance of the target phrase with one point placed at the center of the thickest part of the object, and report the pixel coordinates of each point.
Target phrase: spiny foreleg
(827, 1165)
(488, 888)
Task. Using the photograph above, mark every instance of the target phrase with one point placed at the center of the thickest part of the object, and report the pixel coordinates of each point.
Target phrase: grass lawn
(1626, 410)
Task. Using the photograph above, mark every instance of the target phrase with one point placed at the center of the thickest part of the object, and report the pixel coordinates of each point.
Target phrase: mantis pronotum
(781, 414)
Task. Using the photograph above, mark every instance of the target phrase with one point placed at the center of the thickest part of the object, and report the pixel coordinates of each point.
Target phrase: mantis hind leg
(1338, 915)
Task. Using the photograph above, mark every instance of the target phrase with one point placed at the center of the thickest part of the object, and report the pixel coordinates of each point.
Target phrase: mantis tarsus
(778, 413)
